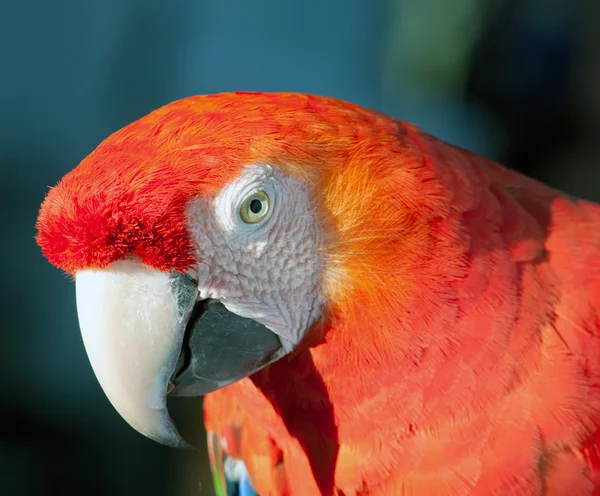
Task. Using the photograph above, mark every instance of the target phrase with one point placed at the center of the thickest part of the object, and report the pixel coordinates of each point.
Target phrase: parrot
(366, 309)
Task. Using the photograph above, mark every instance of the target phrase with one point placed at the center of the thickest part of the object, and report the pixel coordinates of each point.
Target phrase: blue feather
(237, 478)
(245, 488)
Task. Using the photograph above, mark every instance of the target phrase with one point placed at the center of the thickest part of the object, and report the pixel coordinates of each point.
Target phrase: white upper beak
(133, 328)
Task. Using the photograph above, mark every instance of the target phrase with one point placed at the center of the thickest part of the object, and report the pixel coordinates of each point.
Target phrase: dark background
(518, 81)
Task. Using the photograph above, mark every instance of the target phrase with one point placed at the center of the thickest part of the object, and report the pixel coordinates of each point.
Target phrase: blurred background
(515, 80)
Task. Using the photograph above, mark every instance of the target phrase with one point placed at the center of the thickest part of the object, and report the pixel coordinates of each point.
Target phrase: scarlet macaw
(389, 314)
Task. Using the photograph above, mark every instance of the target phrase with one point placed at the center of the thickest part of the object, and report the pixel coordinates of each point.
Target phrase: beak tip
(172, 441)
(156, 424)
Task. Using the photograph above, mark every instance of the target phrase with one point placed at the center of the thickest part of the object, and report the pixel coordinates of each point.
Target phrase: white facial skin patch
(270, 270)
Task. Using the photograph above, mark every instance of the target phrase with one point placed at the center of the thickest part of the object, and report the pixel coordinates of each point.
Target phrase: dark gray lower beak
(219, 346)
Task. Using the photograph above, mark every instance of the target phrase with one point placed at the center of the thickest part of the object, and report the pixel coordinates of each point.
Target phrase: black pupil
(255, 206)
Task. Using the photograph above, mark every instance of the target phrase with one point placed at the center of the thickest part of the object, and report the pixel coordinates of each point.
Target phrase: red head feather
(128, 196)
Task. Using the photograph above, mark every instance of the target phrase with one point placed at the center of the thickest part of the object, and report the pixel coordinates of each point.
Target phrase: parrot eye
(255, 208)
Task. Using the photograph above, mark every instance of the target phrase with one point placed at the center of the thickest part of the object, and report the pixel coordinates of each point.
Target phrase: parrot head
(208, 238)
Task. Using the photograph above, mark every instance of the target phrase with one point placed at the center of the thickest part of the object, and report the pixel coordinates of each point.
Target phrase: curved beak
(147, 335)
